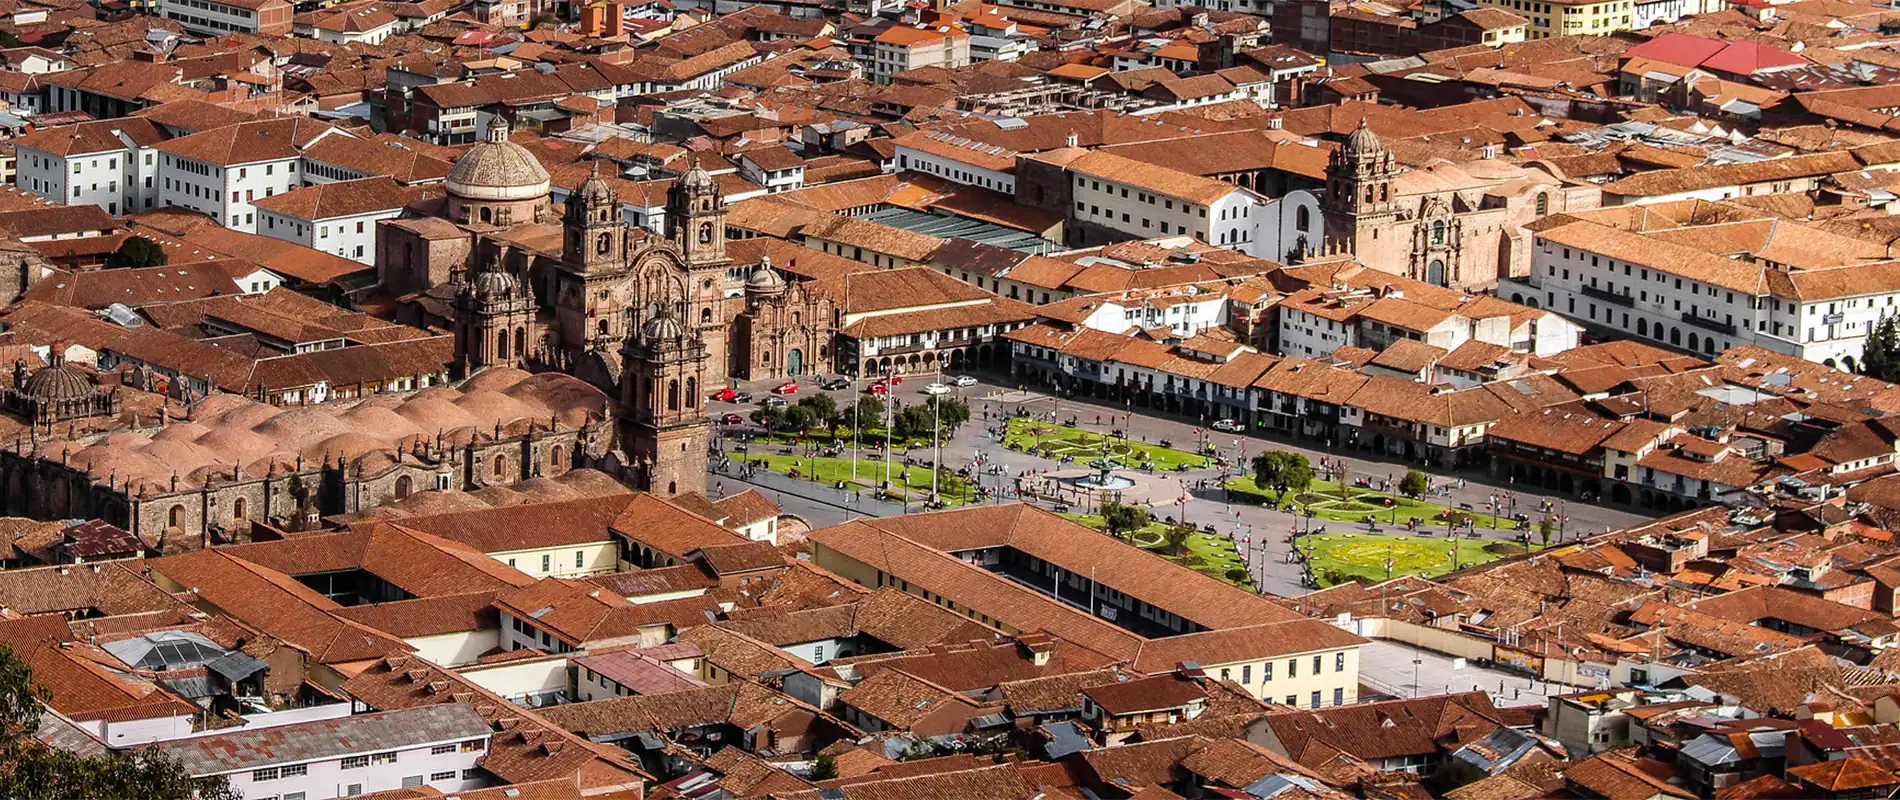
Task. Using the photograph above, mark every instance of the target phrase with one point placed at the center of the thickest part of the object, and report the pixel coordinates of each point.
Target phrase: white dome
(497, 169)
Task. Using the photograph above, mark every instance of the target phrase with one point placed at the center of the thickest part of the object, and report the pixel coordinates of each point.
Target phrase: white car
(936, 389)
(963, 380)
(1227, 425)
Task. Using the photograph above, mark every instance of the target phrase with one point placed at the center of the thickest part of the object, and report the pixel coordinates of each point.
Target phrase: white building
(111, 164)
(225, 16)
(1286, 226)
(337, 218)
(1143, 200)
(1789, 288)
(222, 172)
(438, 746)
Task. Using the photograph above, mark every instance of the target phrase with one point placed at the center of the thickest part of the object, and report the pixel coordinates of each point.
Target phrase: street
(1260, 533)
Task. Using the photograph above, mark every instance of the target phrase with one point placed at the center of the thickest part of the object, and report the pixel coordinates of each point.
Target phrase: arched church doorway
(795, 362)
(1435, 273)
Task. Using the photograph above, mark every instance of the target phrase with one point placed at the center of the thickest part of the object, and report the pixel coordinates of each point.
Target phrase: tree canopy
(1880, 356)
(1414, 483)
(1282, 471)
(138, 251)
(1123, 519)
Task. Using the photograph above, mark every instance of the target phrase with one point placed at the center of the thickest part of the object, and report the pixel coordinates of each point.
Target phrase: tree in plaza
(911, 421)
(138, 251)
(1880, 356)
(951, 412)
(32, 770)
(769, 418)
(868, 413)
(1282, 471)
(823, 409)
(1175, 540)
(1343, 474)
(1546, 527)
(1123, 520)
(801, 418)
(1414, 484)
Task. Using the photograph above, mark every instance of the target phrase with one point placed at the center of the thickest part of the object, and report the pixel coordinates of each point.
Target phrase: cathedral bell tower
(664, 429)
(494, 312)
(587, 306)
(696, 225)
(1360, 208)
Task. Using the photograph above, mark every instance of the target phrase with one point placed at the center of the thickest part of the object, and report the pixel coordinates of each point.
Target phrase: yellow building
(1570, 18)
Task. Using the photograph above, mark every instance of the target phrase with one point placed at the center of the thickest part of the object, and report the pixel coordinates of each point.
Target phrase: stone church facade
(1455, 225)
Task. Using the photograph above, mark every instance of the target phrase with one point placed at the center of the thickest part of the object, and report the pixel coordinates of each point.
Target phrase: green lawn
(1324, 497)
(1339, 557)
(1085, 446)
(1210, 554)
(830, 471)
(841, 438)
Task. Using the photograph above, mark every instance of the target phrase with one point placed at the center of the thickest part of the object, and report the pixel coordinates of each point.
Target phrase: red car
(732, 419)
(788, 387)
(893, 380)
(725, 395)
(878, 388)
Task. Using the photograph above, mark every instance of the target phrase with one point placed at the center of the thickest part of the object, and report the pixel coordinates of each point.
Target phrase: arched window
(1438, 232)
(501, 344)
(177, 517)
(1302, 218)
(1543, 204)
(604, 243)
(554, 456)
(705, 315)
(403, 487)
(501, 467)
(795, 318)
(237, 509)
(488, 215)
(602, 326)
(521, 342)
(705, 233)
(1642, 327)
(692, 392)
(672, 395)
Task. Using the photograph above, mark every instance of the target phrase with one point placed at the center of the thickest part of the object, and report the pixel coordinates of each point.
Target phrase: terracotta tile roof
(250, 142)
(1159, 179)
(276, 604)
(997, 782)
(93, 137)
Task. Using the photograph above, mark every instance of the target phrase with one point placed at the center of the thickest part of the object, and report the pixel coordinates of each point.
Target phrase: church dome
(497, 169)
(698, 181)
(494, 284)
(763, 279)
(663, 327)
(1363, 141)
(59, 382)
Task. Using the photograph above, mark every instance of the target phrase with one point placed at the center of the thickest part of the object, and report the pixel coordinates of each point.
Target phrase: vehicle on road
(892, 380)
(726, 395)
(1227, 425)
(936, 389)
(878, 388)
(963, 380)
(835, 384)
(732, 419)
(776, 402)
(788, 387)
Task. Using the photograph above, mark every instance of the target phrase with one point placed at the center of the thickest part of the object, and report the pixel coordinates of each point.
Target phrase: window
(442, 776)
(580, 559)
(1316, 699)
(355, 762)
(1339, 697)
(411, 780)
(547, 562)
(1266, 672)
(1339, 662)
(1246, 674)
(1293, 668)
(294, 771)
(441, 749)
(265, 774)
(382, 758)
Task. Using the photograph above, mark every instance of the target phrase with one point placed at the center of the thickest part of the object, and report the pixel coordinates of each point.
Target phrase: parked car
(1227, 425)
(892, 380)
(732, 419)
(788, 387)
(726, 395)
(776, 402)
(836, 383)
(962, 381)
(936, 389)
(879, 388)
(742, 397)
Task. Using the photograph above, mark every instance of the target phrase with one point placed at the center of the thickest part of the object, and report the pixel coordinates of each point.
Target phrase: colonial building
(1457, 225)
(484, 261)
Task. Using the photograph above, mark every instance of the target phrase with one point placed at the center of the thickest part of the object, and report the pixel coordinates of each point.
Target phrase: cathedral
(658, 321)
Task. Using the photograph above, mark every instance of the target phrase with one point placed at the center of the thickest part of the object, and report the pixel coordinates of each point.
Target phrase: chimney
(616, 20)
(593, 20)
(1490, 151)
(1275, 122)
(1071, 140)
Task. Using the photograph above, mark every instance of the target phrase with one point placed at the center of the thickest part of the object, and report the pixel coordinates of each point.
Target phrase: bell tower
(696, 224)
(664, 428)
(494, 312)
(1361, 210)
(593, 262)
